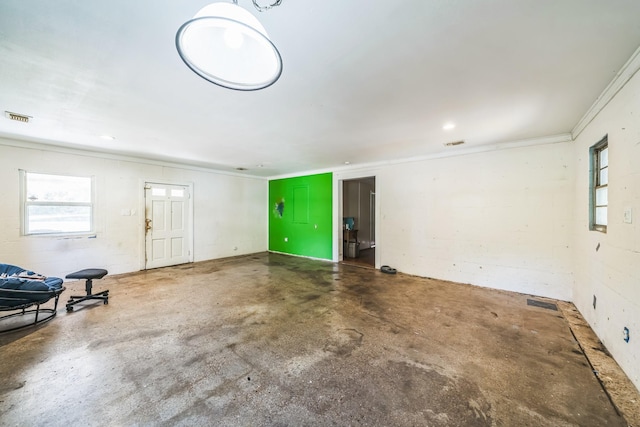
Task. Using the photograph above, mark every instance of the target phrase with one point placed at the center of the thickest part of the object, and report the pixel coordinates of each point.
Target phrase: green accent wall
(300, 210)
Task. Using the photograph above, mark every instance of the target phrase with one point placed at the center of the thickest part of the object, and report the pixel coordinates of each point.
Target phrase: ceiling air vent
(451, 144)
(17, 117)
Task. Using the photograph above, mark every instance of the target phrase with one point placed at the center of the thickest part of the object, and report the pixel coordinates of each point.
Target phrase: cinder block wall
(228, 217)
(607, 265)
(499, 219)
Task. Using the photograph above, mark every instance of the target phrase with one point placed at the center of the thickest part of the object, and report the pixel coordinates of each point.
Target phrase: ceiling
(364, 81)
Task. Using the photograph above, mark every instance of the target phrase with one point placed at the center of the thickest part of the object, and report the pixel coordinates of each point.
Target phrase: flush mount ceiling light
(226, 45)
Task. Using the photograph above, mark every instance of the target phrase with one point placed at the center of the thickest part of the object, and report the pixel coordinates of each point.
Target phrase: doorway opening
(359, 221)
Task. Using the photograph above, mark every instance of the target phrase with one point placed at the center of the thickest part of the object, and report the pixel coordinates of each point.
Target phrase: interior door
(167, 231)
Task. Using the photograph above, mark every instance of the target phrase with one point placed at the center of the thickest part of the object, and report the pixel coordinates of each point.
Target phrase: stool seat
(88, 273)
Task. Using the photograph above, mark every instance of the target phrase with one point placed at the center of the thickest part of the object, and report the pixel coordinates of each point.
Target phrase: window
(56, 204)
(599, 199)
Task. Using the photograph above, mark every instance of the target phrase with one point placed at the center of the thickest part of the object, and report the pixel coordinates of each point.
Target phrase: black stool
(89, 274)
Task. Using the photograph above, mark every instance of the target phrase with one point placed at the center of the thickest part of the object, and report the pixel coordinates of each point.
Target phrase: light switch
(627, 215)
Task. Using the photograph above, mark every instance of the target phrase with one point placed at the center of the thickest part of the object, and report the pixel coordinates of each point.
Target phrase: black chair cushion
(88, 273)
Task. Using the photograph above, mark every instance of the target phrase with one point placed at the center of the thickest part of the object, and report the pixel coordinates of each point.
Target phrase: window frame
(595, 184)
(25, 203)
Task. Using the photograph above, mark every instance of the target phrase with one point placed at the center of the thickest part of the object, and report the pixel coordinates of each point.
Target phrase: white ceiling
(363, 81)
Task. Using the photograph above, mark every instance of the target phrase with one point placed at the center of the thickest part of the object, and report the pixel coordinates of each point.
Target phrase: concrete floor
(366, 258)
(271, 340)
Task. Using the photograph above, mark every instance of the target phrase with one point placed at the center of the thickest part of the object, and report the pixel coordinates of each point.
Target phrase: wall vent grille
(17, 117)
(451, 144)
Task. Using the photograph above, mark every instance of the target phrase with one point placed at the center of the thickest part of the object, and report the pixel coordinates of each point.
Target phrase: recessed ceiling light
(449, 126)
(107, 137)
(347, 163)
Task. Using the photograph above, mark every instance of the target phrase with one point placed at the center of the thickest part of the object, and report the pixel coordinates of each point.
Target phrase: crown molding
(553, 139)
(628, 70)
(457, 151)
(86, 152)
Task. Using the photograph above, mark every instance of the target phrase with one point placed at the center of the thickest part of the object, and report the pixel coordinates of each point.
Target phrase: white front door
(167, 236)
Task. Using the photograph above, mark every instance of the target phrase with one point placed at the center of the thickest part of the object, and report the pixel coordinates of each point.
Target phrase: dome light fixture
(226, 45)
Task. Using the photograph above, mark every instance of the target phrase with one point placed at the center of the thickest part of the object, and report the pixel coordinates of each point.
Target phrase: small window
(57, 204)
(599, 195)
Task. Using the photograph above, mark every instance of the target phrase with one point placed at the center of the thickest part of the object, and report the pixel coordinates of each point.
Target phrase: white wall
(351, 201)
(229, 212)
(612, 273)
(499, 219)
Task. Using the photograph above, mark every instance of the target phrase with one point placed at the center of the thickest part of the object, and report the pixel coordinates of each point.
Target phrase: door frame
(143, 214)
(338, 210)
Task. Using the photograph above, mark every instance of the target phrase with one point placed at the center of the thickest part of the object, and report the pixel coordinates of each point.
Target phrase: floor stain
(273, 340)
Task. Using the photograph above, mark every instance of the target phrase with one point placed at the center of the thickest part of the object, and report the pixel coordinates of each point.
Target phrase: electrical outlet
(627, 215)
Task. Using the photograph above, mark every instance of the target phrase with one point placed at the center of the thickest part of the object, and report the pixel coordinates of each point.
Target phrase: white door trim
(338, 178)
